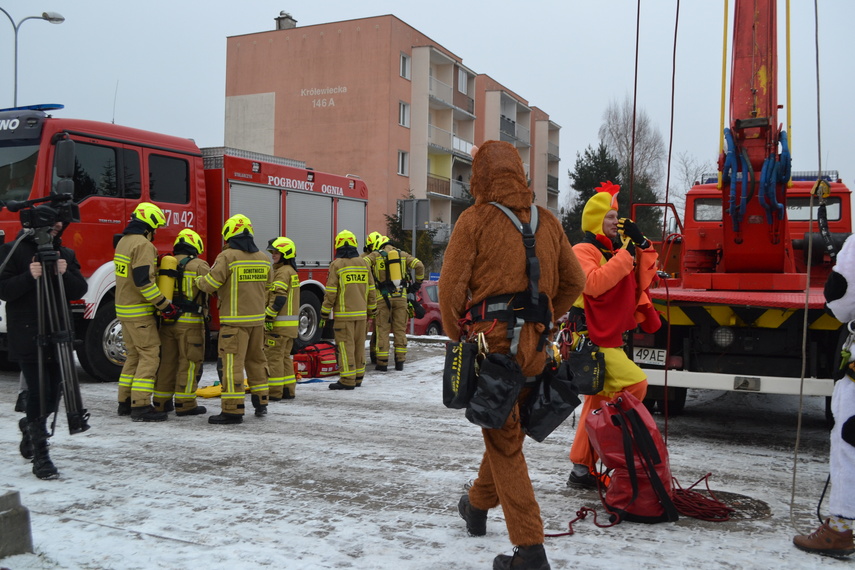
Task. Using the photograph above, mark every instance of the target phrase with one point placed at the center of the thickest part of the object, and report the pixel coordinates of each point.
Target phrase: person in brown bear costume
(486, 258)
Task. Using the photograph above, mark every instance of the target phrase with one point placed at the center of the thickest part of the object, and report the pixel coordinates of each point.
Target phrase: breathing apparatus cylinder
(393, 266)
(166, 272)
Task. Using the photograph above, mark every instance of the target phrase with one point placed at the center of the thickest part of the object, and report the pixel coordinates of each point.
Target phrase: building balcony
(462, 146)
(438, 185)
(442, 186)
(552, 183)
(514, 133)
(441, 91)
(552, 152)
(460, 190)
(464, 102)
(440, 138)
(443, 231)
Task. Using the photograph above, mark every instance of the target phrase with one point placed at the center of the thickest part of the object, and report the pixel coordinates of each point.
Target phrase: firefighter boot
(147, 414)
(476, 519)
(194, 411)
(399, 365)
(124, 408)
(260, 409)
(226, 419)
(826, 541)
(524, 558)
(43, 467)
(26, 446)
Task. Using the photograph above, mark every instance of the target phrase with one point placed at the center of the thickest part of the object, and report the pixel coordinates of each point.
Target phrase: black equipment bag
(587, 366)
(551, 402)
(499, 383)
(459, 378)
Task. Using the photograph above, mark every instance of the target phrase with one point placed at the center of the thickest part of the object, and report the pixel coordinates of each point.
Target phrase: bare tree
(617, 134)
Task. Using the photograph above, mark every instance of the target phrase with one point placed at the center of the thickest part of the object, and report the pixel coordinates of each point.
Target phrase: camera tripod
(56, 336)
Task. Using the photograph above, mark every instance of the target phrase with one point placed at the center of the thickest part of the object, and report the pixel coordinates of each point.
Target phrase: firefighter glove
(322, 323)
(171, 312)
(268, 325)
(629, 229)
(414, 287)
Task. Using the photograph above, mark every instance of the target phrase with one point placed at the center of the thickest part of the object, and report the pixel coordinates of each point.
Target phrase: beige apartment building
(376, 98)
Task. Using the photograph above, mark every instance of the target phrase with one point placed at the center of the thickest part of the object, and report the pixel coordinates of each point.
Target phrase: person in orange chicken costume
(614, 301)
(486, 258)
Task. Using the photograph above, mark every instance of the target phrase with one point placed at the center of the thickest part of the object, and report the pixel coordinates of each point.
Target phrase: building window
(462, 81)
(405, 66)
(403, 163)
(404, 114)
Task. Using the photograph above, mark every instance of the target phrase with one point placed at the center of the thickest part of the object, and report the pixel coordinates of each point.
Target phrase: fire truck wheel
(676, 404)
(104, 345)
(308, 331)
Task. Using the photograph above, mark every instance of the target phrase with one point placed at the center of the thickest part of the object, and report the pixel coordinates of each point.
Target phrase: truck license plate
(655, 356)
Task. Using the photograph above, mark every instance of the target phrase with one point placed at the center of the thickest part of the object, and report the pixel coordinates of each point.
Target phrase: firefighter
(281, 319)
(182, 340)
(370, 240)
(241, 277)
(350, 298)
(391, 269)
(137, 298)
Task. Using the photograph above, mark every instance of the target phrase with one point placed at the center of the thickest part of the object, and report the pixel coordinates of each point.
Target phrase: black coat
(18, 289)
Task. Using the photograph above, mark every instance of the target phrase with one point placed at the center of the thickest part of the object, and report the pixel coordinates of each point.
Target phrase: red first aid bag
(625, 436)
(316, 360)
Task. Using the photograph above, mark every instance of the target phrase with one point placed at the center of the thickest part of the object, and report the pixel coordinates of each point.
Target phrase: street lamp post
(52, 17)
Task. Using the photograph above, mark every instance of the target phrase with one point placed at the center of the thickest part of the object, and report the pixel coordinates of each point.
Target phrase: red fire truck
(117, 167)
(744, 305)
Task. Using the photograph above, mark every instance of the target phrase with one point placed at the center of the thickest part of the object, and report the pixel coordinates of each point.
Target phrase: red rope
(580, 515)
(696, 505)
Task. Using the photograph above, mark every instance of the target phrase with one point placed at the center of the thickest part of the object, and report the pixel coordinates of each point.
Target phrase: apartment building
(377, 98)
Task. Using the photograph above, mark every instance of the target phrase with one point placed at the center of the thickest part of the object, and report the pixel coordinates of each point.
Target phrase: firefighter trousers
(142, 342)
(503, 480)
(242, 348)
(182, 351)
(280, 366)
(350, 349)
(392, 318)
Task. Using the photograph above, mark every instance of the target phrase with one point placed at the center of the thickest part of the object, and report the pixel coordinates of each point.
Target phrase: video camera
(59, 209)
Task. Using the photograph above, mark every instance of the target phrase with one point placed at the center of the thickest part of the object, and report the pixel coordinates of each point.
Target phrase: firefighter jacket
(380, 271)
(283, 300)
(241, 280)
(137, 295)
(350, 293)
(187, 296)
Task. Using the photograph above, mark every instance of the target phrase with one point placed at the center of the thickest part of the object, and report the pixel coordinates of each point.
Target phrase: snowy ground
(371, 479)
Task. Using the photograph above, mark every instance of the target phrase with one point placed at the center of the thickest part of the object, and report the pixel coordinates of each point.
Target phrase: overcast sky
(160, 64)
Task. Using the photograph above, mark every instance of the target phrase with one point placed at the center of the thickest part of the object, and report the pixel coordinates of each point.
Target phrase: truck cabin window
(101, 170)
(708, 210)
(799, 210)
(169, 179)
(17, 171)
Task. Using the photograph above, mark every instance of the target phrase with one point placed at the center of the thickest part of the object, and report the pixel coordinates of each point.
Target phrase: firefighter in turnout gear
(241, 277)
(350, 298)
(370, 240)
(391, 269)
(137, 298)
(281, 319)
(182, 340)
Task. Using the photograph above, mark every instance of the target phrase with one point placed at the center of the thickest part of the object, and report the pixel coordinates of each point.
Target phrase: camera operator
(18, 289)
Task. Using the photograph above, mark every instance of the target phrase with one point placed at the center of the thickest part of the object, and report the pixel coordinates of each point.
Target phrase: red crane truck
(741, 284)
(116, 167)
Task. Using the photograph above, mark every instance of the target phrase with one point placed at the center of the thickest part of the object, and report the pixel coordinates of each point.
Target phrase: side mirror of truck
(64, 158)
